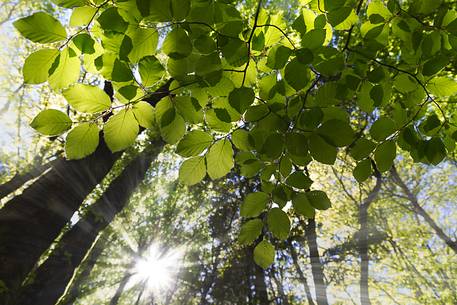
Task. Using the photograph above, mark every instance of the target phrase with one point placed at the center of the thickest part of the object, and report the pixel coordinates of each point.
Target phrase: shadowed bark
(88, 265)
(52, 277)
(20, 179)
(363, 241)
(316, 264)
(30, 222)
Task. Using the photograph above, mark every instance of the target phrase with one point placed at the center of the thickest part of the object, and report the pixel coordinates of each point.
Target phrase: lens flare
(158, 268)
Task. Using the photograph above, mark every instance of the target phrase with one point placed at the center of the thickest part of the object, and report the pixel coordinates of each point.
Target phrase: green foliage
(192, 170)
(82, 141)
(254, 204)
(219, 159)
(87, 98)
(41, 27)
(121, 130)
(267, 96)
(278, 223)
(264, 254)
(51, 122)
(250, 231)
(37, 65)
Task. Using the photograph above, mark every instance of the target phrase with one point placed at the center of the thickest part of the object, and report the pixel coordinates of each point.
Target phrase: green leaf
(144, 43)
(442, 87)
(84, 43)
(405, 83)
(111, 21)
(172, 125)
(179, 9)
(70, 3)
(86, 98)
(319, 200)
(250, 231)
(342, 18)
(362, 149)
(435, 150)
(192, 171)
(51, 122)
(434, 65)
(385, 155)
(121, 72)
(278, 223)
(189, 108)
(177, 44)
(41, 27)
(322, 151)
(273, 146)
(121, 130)
(336, 132)
(382, 128)
(37, 65)
(219, 159)
(66, 72)
(299, 180)
(302, 205)
(240, 138)
(151, 70)
(144, 114)
(363, 170)
(278, 56)
(241, 98)
(81, 16)
(254, 204)
(296, 74)
(194, 143)
(264, 254)
(82, 141)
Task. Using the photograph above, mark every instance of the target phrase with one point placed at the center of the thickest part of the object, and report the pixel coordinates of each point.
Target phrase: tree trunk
(364, 258)
(20, 179)
(75, 288)
(300, 274)
(51, 278)
(316, 265)
(261, 292)
(363, 241)
(120, 289)
(279, 285)
(452, 244)
(30, 222)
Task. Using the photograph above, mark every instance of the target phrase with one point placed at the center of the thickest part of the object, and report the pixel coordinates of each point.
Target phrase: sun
(158, 268)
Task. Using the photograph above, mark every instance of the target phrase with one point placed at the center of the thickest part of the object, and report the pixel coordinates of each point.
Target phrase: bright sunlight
(157, 269)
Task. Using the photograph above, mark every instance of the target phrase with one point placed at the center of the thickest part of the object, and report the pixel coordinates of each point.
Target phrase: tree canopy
(277, 93)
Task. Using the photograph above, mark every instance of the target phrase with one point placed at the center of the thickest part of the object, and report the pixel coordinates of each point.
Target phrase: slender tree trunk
(302, 276)
(316, 265)
(279, 285)
(120, 289)
(452, 244)
(363, 253)
(20, 179)
(143, 287)
(261, 291)
(30, 222)
(363, 242)
(51, 278)
(88, 265)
